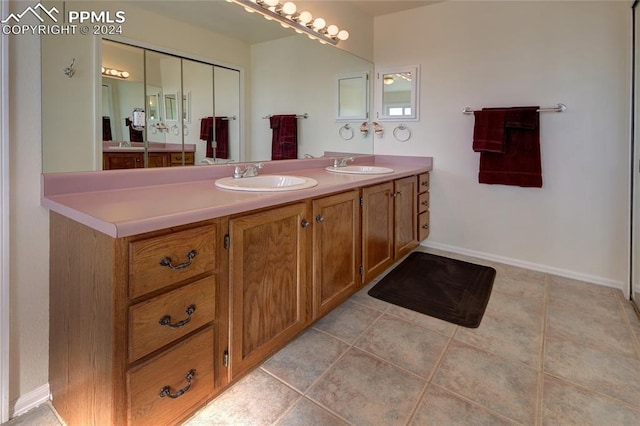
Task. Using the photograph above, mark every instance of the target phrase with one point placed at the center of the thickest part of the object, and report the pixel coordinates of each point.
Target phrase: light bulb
(343, 35)
(125, 74)
(271, 2)
(283, 25)
(289, 8)
(248, 9)
(332, 30)
(103, 70)
(319, 23)
(305, 17)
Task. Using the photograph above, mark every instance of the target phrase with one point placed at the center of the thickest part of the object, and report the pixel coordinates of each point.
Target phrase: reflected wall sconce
(69, 71)
(111, 72)
(302, 22)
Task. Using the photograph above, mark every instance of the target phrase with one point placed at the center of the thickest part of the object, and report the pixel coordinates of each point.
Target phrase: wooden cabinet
(135, 159)
(146, 329)
(377, 229)
(336, 250)
(269, 277)
(405, 216)
(138, 325)
(176, 158)
(122, 160)
(389, 224)
(423, 206)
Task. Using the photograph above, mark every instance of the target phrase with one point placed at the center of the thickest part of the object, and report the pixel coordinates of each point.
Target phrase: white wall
(29, 245)
(489, 54)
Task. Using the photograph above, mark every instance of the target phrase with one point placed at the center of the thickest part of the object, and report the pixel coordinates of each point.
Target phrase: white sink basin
(360, 170)
(266, 183)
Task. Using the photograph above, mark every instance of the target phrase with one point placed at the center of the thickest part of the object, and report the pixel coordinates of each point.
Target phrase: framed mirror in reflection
(353, 97)
(397, 94)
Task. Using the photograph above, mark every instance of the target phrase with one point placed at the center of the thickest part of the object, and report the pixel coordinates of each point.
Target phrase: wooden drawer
(423, 183)
(145, 382)
(157, 262)
(423, 202)
(187, 308)
(176, 158)
(423, 225)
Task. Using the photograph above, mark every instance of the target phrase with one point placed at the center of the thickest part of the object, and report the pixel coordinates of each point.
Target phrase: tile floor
(549, 351)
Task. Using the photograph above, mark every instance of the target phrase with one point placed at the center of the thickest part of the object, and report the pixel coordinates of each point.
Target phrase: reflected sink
(360, 170)
(266, 183)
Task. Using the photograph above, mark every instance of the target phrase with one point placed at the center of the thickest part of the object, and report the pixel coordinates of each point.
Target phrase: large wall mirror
(196, 81)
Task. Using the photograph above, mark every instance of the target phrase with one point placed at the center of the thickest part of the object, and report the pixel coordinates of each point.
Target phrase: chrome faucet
(250, 171)
(342, 162)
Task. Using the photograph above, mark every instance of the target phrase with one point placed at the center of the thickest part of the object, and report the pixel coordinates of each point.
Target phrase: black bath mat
(449, 289)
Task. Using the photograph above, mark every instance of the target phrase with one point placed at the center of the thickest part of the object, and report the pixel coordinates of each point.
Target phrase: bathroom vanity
(157, 306)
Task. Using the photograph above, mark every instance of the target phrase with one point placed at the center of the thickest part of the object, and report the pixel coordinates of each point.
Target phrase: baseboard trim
(30, 400)
(528, 265)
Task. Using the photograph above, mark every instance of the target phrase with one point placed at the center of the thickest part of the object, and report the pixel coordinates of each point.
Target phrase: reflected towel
(106, 128)
(284, 143)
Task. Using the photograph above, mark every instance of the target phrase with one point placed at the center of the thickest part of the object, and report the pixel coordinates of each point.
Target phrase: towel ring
(175, 129)
(185, 130)
(346, 132)
(402, 133)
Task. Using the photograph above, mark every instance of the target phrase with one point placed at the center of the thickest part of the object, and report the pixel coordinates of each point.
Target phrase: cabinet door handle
(166, 320)
(304, 223)
(166, 390)
(167, 261)
(395, 194)
(319, 218)
(426, 226)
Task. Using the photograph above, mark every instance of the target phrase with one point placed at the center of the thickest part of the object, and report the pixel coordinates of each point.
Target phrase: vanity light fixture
(302, 22)
(111, 72)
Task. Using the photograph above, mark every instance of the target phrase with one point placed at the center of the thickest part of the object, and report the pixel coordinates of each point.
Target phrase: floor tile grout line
(590, 390)
(477, 404)
(430, 378)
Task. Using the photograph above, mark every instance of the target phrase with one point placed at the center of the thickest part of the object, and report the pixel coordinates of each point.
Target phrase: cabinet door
(377, 229)
(336, 250)
(158, 159)
(405, 205)
(268, 276)
(122, 160)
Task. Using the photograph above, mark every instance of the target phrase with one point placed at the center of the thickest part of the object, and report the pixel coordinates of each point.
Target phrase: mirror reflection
(215, 114)
(397, 91)
(353, 100)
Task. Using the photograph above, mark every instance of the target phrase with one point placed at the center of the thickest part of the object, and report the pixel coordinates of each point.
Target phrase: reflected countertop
(153, 147)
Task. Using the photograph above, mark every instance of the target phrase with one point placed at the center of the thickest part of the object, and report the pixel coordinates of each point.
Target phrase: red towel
(221, 136)
(489, 131)
(284, 143)
(520, 164)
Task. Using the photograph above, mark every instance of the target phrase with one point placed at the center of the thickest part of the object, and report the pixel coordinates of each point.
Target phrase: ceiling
(230, 19)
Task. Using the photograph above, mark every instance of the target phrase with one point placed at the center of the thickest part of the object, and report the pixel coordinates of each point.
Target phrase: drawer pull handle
(426, 226)
(166, 320)
(166, 391)
(425, 203)
(425, 183)
(167, 261)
